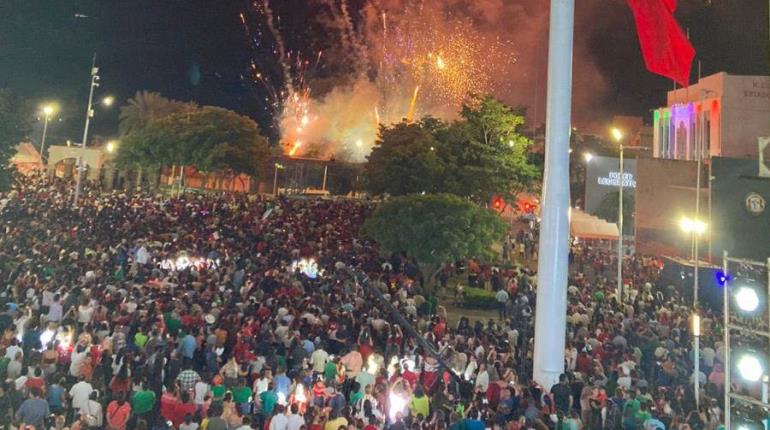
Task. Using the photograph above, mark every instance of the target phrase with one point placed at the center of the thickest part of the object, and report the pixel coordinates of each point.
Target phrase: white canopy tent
(585, 226)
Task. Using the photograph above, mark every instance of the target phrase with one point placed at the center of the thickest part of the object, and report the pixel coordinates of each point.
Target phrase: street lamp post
(695, 228)
(89, 114)
(618, 136)
(277, 166)
(48, 110)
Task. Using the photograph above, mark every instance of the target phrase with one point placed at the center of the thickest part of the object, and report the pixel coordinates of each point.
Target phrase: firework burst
(393, 51)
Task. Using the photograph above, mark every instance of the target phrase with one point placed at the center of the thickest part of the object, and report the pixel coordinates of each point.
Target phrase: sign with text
(603, 177)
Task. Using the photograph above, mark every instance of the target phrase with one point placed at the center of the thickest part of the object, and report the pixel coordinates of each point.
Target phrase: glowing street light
(48, 110)
(616, 133)
(108, 101)
(588, 157)
(111, 146)
(692, 225)
(747, 299)
(750, 368)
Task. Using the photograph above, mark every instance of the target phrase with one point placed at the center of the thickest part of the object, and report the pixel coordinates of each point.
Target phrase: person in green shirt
(633, 404)
(268, 399)
(241, 396)
(140, 339)
(218, 393)
(356, 393)
(173, 324)
(420, 403)
(330, 371)
(143, 402)
(643, 414)
(4, 362)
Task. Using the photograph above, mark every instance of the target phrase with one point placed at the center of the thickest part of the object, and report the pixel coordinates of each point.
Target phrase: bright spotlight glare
(747, 299)
(588, 157)
(689, 225)
(617, 134)
(750, 368)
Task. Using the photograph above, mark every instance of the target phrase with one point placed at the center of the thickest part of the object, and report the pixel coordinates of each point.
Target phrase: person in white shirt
(14, 348)
(319, 359)
(93, 410)
(482, 380)
(201, 389)
(55, 310)
(295, 421)
(80, 394)
(77, 358)
(85, 312)
(279, 420)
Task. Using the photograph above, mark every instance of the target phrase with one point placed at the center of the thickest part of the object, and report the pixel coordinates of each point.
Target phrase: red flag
(665, 47)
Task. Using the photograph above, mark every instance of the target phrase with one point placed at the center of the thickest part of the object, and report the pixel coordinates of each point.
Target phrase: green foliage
(434, 229)
(479, 156)
(210, 138)
(479, 298)
(403, 161)
(608, 210)
(488, 151)
(146, 107)
(15, 125)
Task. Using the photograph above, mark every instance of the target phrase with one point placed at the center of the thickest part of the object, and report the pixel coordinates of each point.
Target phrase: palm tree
(146, 107)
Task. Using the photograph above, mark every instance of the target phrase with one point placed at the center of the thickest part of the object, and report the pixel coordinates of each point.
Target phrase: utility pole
(89, 114)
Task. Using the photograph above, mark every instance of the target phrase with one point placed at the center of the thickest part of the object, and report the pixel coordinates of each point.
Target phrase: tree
(15, 125)
(479, 156)
(404, 160)
(608, 210)
(146, 107)
(487, 152)
(212, 139)
(434, 228)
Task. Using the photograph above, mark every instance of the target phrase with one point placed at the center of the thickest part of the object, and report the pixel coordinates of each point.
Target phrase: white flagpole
(552, 267)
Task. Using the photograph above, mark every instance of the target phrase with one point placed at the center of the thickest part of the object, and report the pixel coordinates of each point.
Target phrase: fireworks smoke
(375, 58)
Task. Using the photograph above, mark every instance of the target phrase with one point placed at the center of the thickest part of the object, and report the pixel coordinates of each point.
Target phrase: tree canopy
(608, 210)
(210, 138)
(146, 107)
(15, 125)
(481, 155)
(404, 160)
(434, 228)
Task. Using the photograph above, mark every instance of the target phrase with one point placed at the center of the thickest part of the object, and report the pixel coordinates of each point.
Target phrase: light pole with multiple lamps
(106, 101)
(750, 297)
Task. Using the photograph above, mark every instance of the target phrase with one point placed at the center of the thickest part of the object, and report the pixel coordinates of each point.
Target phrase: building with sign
(722, 114)
(603, 178)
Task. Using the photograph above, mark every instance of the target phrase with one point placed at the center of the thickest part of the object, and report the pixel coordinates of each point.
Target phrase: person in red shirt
(182, 409)
(36, 381)
(410, 376)
(168, 403)
(118, 413)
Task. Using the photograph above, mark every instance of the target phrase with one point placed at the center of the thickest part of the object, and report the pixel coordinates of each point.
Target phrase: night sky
(197, 50)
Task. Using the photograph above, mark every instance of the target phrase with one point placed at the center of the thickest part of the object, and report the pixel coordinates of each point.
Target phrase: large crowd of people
(239, 312)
